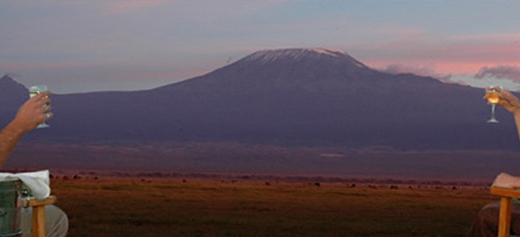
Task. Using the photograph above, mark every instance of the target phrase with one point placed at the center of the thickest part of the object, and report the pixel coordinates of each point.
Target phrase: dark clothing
(486, 222)
(56, 222)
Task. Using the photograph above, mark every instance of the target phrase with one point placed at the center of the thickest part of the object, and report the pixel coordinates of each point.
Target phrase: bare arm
(33, 112)
(505, 180)
(511, 103)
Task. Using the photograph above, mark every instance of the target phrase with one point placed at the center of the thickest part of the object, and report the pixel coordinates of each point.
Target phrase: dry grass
(173, 207)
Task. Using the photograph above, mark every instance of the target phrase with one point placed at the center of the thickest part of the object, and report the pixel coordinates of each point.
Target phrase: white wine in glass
(493, 98)
(34, 90)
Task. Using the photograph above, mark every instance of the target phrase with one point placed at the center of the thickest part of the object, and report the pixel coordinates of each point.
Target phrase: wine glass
(34, 90)
(493, 98)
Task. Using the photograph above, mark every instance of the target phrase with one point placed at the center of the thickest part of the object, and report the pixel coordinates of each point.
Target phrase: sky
(96, 45)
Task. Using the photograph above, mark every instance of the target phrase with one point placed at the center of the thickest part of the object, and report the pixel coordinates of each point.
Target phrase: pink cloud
(417, 70)
(433, 67)
(455, 55)
(500, 72)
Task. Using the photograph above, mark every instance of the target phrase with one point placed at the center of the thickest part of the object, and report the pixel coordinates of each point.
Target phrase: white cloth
(37, 182)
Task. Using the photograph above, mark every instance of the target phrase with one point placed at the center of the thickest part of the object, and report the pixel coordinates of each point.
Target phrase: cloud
(500, 72)
(456, 54)
(424, 71)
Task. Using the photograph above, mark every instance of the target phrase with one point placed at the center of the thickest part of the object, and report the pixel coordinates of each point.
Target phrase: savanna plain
(205, 205)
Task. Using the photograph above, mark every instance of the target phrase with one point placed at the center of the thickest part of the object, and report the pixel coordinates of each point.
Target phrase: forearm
(505, 180)
(9, 137)
(517, 122)
(33, 112)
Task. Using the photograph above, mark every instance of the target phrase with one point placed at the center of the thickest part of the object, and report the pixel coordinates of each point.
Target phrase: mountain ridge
(297, 54)
(12, 96)
(287, 96)
(289, 68)
(277, 116)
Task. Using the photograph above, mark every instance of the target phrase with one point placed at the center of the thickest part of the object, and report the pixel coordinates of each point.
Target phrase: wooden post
(38, 217)
(504, 220)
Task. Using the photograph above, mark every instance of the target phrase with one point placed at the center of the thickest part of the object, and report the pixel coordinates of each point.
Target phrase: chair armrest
(47, 201)
(505, 192)
(38, 217)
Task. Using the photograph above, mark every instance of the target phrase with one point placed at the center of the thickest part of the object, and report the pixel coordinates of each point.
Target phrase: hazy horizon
(135, 45)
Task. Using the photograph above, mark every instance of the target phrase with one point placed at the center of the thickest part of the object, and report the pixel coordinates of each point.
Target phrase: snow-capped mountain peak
(296, 53)
(330, 52)
(265, 56)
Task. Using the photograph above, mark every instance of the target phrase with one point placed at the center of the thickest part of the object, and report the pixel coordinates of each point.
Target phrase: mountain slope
(12, 95)
(310, 97)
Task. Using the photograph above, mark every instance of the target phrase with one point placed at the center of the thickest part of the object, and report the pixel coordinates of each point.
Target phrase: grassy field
(212, 207)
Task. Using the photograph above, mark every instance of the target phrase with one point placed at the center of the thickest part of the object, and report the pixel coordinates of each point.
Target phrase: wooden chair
(38, 215)
(504, 221)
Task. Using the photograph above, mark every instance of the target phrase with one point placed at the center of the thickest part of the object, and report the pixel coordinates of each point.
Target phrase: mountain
(12, 95)
(287, 97)
(286, 111)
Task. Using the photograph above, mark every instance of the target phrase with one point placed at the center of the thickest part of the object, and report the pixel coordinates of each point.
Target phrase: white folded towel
(37, 182)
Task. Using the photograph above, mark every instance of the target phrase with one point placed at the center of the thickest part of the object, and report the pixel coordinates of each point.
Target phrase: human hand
(33, 112)
(508, 101)
(505, 180)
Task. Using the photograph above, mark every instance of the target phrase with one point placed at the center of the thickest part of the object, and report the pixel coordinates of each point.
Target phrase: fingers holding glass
(41, 94)
(493, 97)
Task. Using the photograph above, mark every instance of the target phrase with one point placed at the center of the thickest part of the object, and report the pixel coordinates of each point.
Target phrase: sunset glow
(131, 45)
